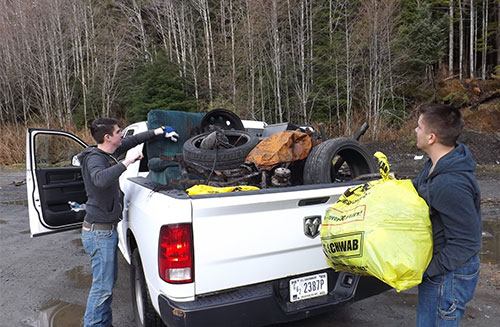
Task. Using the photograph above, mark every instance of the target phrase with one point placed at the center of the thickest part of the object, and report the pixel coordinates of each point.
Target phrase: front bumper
(265, 303)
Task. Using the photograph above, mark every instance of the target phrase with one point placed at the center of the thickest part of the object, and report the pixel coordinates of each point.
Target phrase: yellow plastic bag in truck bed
(382, 229)
(205, 189)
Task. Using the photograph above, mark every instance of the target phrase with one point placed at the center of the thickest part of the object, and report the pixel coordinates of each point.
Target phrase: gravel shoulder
(43, 278)
(46, 275)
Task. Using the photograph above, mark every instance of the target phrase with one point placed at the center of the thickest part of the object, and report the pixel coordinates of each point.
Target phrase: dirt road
(47, 278)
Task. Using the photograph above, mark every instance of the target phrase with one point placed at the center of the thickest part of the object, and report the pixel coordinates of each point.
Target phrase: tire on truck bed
(220, 159)
(320, 165)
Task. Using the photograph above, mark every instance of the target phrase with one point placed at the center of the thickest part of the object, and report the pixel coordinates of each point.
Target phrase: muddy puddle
(57, 313)
(79, 278)
(490, 251)
(77, 241)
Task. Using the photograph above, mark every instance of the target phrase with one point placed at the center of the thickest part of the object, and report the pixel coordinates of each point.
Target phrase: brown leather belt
(88, 226)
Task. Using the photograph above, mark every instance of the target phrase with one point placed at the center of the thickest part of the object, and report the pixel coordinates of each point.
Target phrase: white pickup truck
(232, 259)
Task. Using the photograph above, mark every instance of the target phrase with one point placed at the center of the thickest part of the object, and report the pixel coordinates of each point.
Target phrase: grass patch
(488, 170)
(13, 167)
(13, 143)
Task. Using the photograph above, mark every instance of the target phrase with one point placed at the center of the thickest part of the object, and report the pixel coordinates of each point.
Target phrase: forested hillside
(68, 61)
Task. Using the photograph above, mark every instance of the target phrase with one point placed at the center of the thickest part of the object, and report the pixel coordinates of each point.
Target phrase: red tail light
(175, 253)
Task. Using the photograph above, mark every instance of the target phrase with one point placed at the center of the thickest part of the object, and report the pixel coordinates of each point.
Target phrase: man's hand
(169, 133)
(132, 159)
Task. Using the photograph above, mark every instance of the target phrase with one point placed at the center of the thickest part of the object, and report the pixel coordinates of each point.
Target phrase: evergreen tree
(424, 35)
(155, 85)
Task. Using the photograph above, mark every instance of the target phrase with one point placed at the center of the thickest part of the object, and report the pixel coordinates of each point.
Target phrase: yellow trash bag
(205, 189)
(381, 229)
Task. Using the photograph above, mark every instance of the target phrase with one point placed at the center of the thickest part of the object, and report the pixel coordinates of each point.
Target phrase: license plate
(307, 287)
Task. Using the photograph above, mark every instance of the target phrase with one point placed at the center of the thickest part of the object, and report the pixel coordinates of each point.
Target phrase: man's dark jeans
(442, 298)
(101, 246)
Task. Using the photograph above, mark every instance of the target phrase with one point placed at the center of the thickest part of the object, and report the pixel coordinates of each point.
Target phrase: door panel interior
(58, 179)
(59, 186)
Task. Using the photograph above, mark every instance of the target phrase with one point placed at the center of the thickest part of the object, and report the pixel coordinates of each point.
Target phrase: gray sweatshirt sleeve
(101, 175)
(133, 140)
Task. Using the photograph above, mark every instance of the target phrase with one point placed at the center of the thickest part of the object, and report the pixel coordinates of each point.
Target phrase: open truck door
(53, 181)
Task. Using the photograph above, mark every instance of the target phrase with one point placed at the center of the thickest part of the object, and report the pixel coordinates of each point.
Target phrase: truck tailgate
(247, 238)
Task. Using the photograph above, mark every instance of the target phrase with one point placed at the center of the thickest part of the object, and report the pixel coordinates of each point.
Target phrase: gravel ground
(48, 278)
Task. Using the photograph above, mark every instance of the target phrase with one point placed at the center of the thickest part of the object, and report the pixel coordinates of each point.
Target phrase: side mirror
(75, 162)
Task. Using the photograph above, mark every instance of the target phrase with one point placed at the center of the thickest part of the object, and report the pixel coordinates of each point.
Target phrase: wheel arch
(131, 242)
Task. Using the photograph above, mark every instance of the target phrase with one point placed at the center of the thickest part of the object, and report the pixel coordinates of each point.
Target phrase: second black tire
(320, 165)
(220, 159)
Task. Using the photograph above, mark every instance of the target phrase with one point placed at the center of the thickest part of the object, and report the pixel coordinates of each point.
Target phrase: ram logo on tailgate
(312, 225)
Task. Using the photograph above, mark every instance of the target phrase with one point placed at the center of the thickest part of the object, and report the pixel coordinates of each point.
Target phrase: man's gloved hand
(169, 133)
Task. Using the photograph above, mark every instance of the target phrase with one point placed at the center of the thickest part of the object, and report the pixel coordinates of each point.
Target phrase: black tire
(321, 165)
(223, 158)
(223, 118)
(144, 312)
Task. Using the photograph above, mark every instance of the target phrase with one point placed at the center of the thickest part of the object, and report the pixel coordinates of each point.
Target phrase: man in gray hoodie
(101, 171)
(448, 185)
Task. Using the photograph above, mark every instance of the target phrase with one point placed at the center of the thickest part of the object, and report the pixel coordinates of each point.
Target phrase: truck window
(129, 132)
(143, 166)
(55, 150)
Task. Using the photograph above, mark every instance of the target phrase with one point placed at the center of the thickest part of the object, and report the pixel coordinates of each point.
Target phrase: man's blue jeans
(442, 298)
(101, 246)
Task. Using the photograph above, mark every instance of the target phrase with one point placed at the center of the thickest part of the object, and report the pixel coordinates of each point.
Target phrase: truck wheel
(337, 160)
(144, 312)
(223, 158)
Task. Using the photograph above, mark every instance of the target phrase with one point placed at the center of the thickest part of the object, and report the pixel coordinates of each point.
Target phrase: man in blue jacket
(448, 185)
(101, 171)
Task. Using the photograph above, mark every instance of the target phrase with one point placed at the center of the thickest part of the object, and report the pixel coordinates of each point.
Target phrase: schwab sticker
(348, 245)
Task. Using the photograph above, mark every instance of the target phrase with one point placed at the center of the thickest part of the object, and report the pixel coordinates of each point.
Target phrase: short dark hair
(443, 120)
(101, 127)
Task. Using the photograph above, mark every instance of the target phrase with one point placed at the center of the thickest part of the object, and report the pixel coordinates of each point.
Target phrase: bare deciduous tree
(276, 58)
(484, 49)
(204, 10)
(378, 19)
(450, 37)
(472, 39)
(461, 40)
